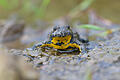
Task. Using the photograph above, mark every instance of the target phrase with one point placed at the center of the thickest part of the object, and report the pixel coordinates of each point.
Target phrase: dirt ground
(101, 63)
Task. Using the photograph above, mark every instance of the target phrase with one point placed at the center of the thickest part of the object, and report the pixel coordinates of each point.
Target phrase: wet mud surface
(101, 62)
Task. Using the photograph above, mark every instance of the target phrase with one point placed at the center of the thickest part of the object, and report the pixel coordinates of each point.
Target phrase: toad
(63, 39)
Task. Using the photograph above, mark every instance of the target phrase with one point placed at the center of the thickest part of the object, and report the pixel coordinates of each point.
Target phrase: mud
(101, 62)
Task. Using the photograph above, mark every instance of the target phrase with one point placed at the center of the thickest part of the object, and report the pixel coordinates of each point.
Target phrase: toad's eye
(68, 26)
(55, 28)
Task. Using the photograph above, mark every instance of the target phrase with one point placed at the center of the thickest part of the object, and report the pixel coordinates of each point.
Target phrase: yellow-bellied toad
(63, 39)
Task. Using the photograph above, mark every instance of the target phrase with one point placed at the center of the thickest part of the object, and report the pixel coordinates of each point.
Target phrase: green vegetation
(89, 26)
(34, 9)
(85, 4)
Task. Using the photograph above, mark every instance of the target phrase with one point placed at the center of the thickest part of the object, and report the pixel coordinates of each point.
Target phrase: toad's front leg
(76, 35)
(74, 45)
(40, 45)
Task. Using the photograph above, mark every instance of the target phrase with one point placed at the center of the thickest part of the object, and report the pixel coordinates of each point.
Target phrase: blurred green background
(49, 10)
